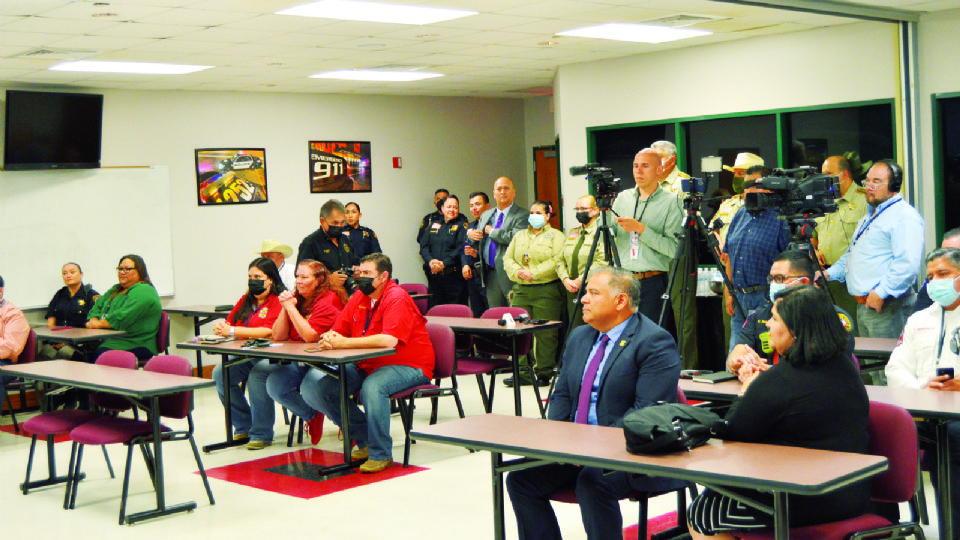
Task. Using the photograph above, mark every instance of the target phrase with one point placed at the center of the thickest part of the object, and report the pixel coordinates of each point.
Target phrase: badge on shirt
(574, 234)
(81, 302)
(453, 228)
(263, 312)
(435, 227)
(525, 259)
(634, 246)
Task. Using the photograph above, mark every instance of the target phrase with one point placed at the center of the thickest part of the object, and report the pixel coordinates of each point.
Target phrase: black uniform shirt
(72, 310)
(364, 240)
(755, 332)
(319, 247)
(444, 242)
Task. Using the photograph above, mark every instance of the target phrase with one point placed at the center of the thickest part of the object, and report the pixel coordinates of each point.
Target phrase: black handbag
(670, 427)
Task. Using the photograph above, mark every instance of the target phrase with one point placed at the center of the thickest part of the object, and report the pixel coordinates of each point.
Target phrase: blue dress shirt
(885, 253)
(614, 335)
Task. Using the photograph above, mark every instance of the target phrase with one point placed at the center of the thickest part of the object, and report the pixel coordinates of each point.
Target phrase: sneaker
(258, 445)
(360, 453)
(315, 428)
(372, 466)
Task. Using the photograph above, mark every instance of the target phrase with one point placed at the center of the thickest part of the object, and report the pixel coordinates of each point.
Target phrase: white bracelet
(231, 331)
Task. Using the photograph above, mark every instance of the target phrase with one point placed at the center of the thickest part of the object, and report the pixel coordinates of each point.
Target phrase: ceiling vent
(683, 19)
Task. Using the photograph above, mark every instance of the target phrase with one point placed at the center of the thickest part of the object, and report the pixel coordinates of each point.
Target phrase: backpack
(670, 427)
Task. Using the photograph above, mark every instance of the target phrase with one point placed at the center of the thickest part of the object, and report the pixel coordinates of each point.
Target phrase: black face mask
(256, 286)
(366, 286)
(334, 231)
(583, 217)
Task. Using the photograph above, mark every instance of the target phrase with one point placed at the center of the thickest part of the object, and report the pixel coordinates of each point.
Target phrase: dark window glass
(727, 137)
(616, 148)
(949, 150)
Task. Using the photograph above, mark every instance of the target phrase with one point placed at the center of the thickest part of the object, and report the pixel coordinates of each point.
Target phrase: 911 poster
(231, 176)
(339, 166)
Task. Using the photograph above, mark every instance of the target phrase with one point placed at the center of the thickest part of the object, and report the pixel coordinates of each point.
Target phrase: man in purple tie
(495, 230)
(619, 362)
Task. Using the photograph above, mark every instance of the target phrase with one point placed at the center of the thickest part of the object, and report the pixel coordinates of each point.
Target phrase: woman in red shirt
(252, 317)
(307, 313)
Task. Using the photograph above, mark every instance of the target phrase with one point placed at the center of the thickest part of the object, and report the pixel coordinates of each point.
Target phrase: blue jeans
(256, 418)
(371, 428)
(283, 386)
(748, 302)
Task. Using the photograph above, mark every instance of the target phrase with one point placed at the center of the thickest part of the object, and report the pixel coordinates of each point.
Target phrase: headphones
(896, 175)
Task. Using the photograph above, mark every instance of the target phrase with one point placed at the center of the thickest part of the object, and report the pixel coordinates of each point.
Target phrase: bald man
(576, 251)
(494, 232)
(648, 220)
(834, 231)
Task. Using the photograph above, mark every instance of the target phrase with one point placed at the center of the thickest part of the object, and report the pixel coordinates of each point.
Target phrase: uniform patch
(81, 302)
(845, 321)
(346, 247)
(453, 228)
(263, 313)
(574, 235)
(435, 226)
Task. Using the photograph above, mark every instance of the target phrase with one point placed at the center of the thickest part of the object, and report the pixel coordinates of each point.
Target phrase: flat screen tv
(52, 130)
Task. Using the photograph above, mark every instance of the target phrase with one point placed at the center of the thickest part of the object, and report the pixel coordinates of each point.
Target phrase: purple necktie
(586, 387)
(492, 250)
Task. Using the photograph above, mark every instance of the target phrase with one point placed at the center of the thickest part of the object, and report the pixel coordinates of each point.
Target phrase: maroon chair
(131, 432)
(643, 498)
(53, 423)
(27, 355)
(163, 334)
(894, 436)
(445, 359)
(495, 357)
(417, 288)
(464, 341)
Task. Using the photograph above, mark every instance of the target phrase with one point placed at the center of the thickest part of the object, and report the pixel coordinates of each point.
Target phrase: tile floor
(451, 496)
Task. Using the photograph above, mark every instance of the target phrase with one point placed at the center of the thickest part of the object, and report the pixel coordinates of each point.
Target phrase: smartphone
(941, 371)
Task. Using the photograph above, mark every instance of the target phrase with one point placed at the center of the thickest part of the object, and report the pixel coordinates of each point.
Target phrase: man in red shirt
(379, 314)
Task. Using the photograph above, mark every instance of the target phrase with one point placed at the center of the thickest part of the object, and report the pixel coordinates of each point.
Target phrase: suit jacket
(516, 220)
(642, 369)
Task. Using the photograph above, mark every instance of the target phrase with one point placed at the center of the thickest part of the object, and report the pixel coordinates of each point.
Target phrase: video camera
(604, 186)
(796, 193)
(710, 167)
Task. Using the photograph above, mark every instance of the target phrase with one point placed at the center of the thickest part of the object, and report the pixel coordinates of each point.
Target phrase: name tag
(435, 226)
(634, 246)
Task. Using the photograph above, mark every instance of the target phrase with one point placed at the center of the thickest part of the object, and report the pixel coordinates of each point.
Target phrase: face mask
(583, 217)
(334, 231)
(256, 286)
(366, 286)
(775, 288)
(942, 292)
(738, 184)
(536, 221)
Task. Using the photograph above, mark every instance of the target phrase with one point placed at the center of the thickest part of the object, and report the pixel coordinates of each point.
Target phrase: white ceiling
(497, 53)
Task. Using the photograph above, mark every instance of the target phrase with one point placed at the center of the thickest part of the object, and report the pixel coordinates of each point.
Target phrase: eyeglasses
(780, 278)
(874, 182)
(123, 270)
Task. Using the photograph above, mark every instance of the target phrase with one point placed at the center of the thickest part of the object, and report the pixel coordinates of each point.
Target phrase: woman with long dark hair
(813, 398)
(132, 305)
(252, 317)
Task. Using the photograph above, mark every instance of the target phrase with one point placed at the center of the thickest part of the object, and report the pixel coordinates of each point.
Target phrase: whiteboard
(92, 217)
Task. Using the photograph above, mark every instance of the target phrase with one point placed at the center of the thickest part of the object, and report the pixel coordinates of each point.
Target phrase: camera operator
(755, 238)
(576, 250)
(835, 230)
(880, 266)
(470, 260)
(329, 246)
(729, 207)
(649, 218)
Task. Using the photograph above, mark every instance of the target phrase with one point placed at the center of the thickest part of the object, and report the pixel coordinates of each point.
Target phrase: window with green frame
(946, 117)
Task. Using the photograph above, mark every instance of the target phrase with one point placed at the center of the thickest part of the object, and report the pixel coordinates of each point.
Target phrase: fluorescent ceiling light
(140, 68)
(375, 75)
(348, 10)
(638, 33)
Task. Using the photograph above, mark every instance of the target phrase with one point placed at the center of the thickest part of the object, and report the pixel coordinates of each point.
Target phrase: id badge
(634, 246)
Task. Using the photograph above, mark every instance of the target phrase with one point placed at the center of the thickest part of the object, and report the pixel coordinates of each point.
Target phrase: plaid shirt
(753, 241)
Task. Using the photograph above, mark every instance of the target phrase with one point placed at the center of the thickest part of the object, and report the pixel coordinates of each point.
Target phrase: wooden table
(333, 362)
(76, 336)
(940, 407)
(202, 314)
(491, 327)
(134, 383)
(782, 470)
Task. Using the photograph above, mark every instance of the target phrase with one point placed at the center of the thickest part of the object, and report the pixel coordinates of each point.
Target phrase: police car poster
(231, 176)
(339, 166)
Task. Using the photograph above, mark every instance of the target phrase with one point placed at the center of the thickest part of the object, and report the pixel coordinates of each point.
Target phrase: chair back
(29, 352)
(444, 350)
(120, 359)
(681, 397)
(175, 405)
(893, 435)
(417, 288)
(488, 347)
(464, 341)
(163, 333)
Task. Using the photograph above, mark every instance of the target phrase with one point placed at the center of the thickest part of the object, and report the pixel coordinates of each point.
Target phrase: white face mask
(537, 221)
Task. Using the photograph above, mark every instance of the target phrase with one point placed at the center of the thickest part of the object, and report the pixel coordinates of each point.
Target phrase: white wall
(852, 62)
(539, 125)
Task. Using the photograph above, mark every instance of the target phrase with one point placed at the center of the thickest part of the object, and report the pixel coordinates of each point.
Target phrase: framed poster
(339, 166)
(231, 176)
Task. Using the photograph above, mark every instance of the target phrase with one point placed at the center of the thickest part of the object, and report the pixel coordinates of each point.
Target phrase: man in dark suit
(494, 231)
(629, 363)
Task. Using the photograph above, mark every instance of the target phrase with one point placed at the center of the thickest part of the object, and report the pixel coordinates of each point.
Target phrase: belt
(650, 274)
(753, 289)
(860, 299)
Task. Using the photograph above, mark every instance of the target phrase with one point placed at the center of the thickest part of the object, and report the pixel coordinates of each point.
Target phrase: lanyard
(875, 216)
(637, 204)
(943, 333)
(370, 313)
(254, 312)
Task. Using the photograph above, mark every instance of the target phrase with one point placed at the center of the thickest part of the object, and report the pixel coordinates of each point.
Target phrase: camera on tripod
(710, 167)
(796, 193)
(604, 186)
